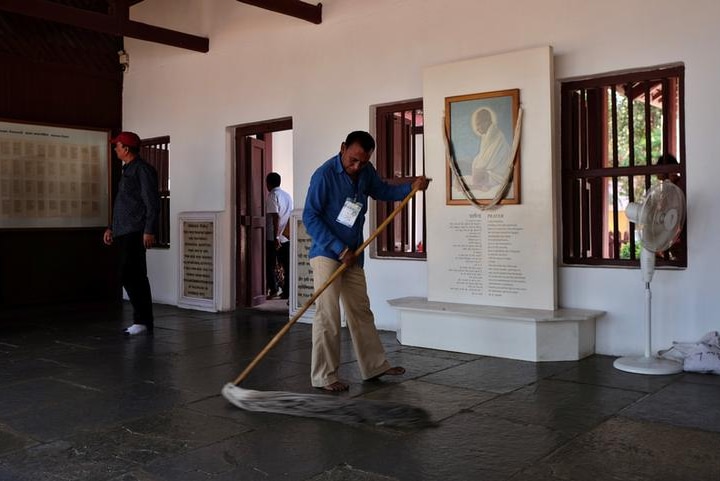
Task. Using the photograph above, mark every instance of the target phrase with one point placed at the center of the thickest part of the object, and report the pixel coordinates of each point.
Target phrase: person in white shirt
(278, 206)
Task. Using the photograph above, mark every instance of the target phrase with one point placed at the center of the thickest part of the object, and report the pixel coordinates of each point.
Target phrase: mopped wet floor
(78, 401)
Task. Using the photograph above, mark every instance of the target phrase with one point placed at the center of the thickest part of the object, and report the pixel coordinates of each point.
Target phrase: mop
(354, 411)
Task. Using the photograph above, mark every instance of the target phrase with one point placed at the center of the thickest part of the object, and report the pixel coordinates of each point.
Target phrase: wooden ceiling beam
(293, 8)
(117, 24)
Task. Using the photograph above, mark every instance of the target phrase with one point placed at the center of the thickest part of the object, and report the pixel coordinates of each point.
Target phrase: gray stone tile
(9, 474)
(564, 406)
(496, 375)
(114, 375)
(12, 441)
(84, 403)
(458, 356)
(185, 340)
(39, 393)
(103, 454)
(681, 404)
(19, 369)
(209, 381)
(348, 473)
(100, 455)
(599, 370)
(697, 378)
(467, 446)
(187, 429)
(100, 411)
(623, 449)
(440, 402)
(137, 475)
(64, 460)
(298, 449)
(417, 365)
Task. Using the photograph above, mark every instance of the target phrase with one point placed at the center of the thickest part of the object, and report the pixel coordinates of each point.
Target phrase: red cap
(131, 139)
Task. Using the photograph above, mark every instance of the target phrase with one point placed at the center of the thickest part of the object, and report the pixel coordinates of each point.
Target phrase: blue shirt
(137, 205)
(330, 187)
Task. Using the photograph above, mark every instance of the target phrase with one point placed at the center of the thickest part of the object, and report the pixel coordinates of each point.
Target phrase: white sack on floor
(702, 356)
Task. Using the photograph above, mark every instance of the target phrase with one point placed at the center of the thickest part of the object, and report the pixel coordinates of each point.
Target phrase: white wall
(282, 159)
(264, 65)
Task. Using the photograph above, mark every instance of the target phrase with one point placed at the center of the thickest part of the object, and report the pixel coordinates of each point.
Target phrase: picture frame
(53, 176)
(479, 131)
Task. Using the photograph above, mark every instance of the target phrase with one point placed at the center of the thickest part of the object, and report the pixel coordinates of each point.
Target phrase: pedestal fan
(659, 219)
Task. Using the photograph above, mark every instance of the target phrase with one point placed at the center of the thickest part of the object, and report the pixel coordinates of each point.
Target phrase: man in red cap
(134, 224)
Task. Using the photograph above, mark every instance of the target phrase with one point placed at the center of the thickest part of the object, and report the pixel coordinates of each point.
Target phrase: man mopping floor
(334, 217)
(348, 173)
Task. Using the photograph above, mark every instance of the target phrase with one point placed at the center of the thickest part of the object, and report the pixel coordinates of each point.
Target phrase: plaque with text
(198, 285)
(198, 260)
(485, 257)
(301, 275)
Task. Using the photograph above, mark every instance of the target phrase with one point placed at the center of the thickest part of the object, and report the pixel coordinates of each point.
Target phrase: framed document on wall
(53, 177)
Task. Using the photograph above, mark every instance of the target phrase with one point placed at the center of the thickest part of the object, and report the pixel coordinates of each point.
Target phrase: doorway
(253, 161)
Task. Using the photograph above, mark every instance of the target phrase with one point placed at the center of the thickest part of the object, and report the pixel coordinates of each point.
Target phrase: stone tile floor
(80, 402)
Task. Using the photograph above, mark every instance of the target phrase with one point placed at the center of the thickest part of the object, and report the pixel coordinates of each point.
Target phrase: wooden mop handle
(273, 342)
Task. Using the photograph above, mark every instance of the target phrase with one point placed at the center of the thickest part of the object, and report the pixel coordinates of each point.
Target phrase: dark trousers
(133, 271)
(283, 255)
(272, 257)
(270, 261)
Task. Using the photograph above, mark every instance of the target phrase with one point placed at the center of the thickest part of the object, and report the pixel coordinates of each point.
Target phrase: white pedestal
(508, 332)
(648, 365)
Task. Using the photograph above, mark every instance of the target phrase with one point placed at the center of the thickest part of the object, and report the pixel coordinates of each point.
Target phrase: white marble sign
(301, 275)
(198, 246)
(504, 256)
(198, 259)
(485, 257)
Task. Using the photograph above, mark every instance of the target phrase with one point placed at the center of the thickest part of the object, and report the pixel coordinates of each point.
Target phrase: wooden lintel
(117, 24)
(293, 8)
(151, 33)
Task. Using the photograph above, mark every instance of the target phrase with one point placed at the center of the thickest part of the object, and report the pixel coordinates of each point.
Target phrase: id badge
(349, 212)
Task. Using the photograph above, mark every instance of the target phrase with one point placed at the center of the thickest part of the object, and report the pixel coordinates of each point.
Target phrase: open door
(252, 166)
(253, 147)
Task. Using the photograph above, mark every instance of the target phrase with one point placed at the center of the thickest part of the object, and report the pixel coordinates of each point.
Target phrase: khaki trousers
(352, 289)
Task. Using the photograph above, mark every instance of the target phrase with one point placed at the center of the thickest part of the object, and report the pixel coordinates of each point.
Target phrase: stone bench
(508, 332)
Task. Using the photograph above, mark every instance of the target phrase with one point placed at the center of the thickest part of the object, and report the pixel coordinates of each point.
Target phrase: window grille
(399, 153)
(155, 151)
(617, 134)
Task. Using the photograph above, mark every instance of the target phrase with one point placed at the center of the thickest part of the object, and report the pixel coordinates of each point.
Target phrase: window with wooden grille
(620, 135)
(156, 153)
(399, 153)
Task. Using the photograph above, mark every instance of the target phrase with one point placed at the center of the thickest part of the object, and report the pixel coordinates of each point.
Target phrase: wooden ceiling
(113, 17)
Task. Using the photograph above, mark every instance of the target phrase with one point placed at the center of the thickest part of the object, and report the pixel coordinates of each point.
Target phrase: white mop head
(327, 407)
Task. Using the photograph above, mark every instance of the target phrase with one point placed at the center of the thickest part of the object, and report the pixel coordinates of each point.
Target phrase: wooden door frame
(259, 129)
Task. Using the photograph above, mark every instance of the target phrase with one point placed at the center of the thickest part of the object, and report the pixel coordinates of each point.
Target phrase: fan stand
(648, 364)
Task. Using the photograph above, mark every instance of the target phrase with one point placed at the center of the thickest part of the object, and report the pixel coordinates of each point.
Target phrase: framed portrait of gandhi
(53, 176)
(483, 161)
